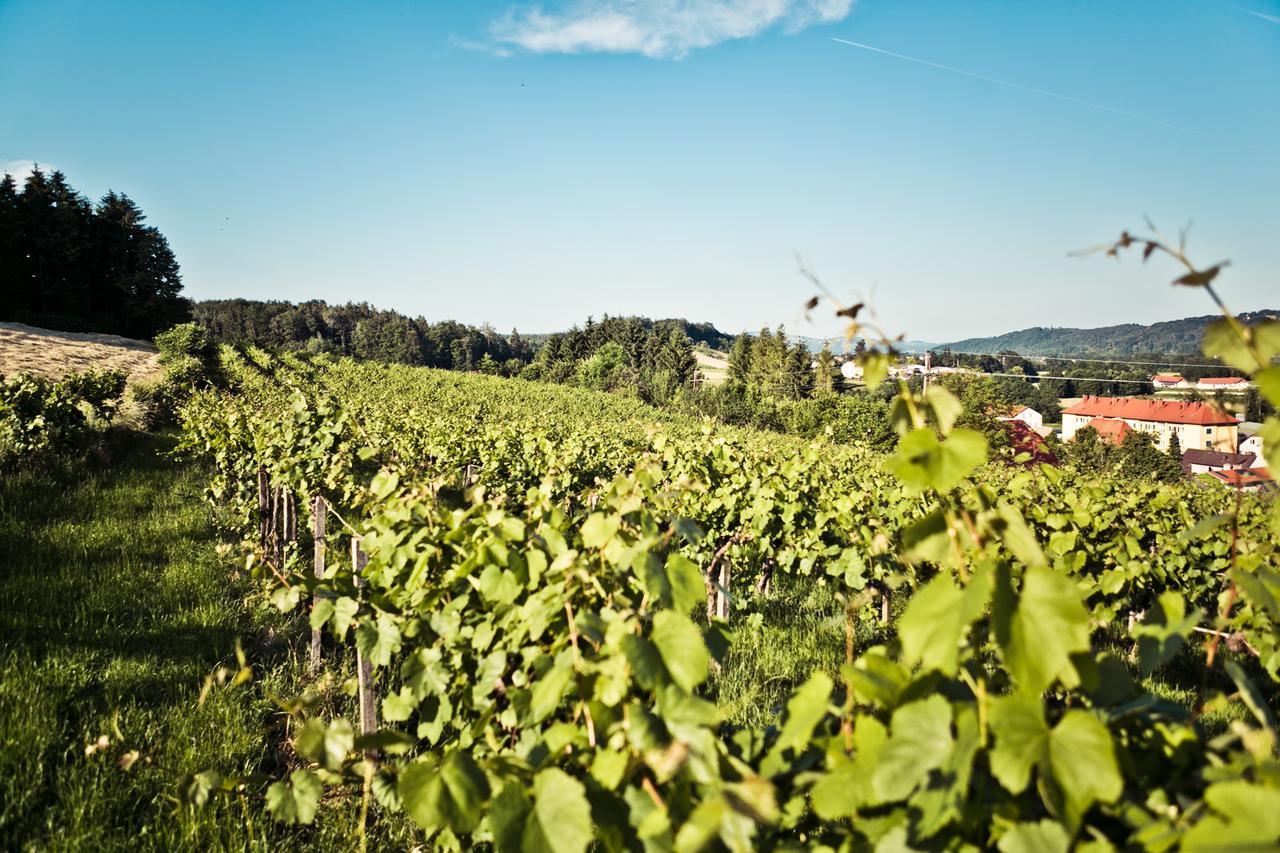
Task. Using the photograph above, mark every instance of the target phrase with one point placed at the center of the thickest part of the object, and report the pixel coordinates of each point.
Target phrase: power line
(1079, 359)
(1069, 378)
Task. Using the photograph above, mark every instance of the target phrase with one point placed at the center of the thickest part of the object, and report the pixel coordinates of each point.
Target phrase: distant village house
(1197, 425)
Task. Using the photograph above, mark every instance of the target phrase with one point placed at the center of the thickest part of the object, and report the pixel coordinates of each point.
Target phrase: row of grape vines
(551, 579)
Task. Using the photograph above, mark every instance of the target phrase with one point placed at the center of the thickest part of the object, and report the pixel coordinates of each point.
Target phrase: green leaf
(378, 639)
(449, 794)
(1268, 382)
(508, 814)
(1045, 836)
(1083, 763)
(875, 367)
(1022, 739)
(923, 462)
(297, 801)
(683, 651)
(598, 529)
(1163, 631)
(549, 690)
(1047, 625)
(326, 746)
(194, 788)
(944, 406)
(608, 766)
(920, 740)
(561, 817)
(286, 598)
(932, 626)
(1019, 538)
(805, 709)
(1247, 818)
(1222, 339)
(687, 588)
(928, 538)
(1251, 696)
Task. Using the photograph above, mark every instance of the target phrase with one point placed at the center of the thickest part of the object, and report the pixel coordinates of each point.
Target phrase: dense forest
(1168, 338)
(69, 264)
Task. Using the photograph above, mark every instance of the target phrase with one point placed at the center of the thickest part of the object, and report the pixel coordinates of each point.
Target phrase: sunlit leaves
(932, 626)
(295, 801)
(920, 740)
(1021, 739)
(449, 793)
(1083, 763)
(326, 745)
(922, 461)
(1040, 630)
(683, 651)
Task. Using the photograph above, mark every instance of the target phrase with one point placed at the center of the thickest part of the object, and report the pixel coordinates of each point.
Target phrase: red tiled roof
(1167, 377)
(1111, 429)
(1221, 380)
(1245, 478)
(1159, 411)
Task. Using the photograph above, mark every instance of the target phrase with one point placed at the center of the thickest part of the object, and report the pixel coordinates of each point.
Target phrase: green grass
(800, 630)
(114, 608)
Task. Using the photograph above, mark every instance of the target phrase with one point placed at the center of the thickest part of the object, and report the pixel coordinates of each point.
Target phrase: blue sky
(530, 165)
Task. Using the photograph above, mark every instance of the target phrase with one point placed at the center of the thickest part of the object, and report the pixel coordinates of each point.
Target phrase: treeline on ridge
(67, 263)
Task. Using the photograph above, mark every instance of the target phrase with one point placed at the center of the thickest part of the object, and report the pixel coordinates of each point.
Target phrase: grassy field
(114, 608)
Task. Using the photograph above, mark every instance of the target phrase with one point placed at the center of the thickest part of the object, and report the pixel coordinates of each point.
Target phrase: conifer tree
(827, 373)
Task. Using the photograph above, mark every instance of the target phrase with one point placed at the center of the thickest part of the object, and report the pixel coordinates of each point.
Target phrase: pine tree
(827, 372)
(1175, 448)
(740, 358)
(676, 358)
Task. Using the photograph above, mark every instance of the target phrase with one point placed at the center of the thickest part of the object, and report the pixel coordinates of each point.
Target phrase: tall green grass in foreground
(114, 608)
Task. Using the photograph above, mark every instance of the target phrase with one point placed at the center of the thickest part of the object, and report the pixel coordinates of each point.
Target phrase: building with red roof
(1249, 480)
(1168, 380)
(1198, 425)
(1110, 429)
(1222, 383)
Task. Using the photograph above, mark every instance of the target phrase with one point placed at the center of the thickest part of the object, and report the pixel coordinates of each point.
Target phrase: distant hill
(1172, 337)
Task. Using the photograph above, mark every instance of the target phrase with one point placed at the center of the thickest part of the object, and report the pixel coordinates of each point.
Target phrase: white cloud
(655, 28)
(20, 169)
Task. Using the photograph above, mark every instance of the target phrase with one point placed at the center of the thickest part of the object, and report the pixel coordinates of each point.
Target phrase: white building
(1197, 425)
(1027, 415)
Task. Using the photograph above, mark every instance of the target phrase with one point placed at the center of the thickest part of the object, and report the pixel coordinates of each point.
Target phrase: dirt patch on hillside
(26, 349)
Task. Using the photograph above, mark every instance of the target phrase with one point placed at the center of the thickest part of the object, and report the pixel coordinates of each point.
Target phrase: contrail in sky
(1018, 86)
(1275, 19)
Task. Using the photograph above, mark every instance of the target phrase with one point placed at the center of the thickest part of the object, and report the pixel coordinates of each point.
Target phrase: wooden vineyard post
(264, 515)
(364, 669)
(318, 510)
(722, 591)
(272, 544)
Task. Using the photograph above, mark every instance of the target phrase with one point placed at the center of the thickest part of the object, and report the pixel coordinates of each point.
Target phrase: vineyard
(544, 589)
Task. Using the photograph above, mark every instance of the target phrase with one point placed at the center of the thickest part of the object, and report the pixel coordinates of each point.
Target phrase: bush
(190, 362)
(40, 419)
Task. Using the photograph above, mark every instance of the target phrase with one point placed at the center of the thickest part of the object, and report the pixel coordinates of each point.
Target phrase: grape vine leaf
(1040, 630)
(449, 793)
(682, 648)
(295, 801)
(932, 626)
(1083, 762)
